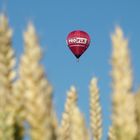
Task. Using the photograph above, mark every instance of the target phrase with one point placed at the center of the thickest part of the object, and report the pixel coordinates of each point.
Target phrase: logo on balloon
(78, 41)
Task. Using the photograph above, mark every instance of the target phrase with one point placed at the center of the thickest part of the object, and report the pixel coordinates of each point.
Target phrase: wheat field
(26, 102)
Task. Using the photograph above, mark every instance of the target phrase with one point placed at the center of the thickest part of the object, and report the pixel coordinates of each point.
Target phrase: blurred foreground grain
(26, 104)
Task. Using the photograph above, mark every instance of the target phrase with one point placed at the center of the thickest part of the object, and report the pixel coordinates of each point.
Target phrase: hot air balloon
(78, 41)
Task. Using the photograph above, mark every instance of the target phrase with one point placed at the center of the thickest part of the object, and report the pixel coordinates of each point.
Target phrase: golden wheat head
(7, 75)
(65, 122)
(123, 117)
(95, 111)
(36, 89)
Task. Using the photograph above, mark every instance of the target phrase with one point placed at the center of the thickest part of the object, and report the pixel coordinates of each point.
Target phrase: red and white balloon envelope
(78, 42)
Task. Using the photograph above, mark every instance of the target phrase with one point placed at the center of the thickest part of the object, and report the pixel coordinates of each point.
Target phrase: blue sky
(54, 19)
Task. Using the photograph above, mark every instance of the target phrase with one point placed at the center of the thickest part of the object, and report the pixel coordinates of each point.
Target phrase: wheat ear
(7, 75)
(111, 134)
(123, 117)
(95, 111)
(65, 122)
(37, 91)
(78, 130)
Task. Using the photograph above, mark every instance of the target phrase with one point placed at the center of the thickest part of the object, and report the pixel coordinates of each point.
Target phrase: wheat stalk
(18, 90)
(64, 132)
(55, 126)
(95, 111)
(137, 100)
(123, 117)
(7, 75)
(37, 91)
(78, 130)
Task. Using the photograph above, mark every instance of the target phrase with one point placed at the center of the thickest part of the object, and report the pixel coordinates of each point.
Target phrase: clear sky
(54, 19)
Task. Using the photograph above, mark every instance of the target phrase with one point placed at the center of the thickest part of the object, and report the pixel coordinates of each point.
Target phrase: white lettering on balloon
(78, 40)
